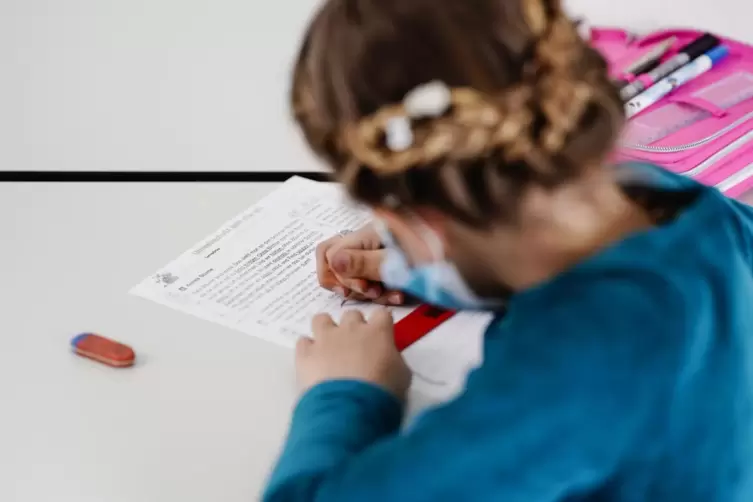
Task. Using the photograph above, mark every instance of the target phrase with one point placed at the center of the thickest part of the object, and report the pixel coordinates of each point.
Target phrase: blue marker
(686, 54)
(690, 71)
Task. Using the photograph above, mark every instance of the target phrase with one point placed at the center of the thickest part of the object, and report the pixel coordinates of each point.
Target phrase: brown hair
(531, 102)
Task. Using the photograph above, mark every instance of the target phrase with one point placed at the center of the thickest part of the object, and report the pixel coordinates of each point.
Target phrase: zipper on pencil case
(695, 144)
(737, 178)
(721, 154)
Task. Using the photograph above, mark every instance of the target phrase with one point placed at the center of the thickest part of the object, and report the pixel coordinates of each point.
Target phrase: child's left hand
(356, 349)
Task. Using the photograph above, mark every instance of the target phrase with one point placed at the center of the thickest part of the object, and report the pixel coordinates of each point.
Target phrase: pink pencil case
(703, 129)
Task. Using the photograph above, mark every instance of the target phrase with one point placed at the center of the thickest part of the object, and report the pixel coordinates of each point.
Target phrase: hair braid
(563, 96)
(530, 103)
(475, 124)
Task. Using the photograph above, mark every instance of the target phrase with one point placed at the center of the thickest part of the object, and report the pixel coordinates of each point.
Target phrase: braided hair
(530, 103)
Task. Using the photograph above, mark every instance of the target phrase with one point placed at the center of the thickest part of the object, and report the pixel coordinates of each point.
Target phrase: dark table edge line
(158, 177)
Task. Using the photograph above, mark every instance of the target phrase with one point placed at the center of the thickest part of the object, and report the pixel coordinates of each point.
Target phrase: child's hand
(357, 349)
(349, 265)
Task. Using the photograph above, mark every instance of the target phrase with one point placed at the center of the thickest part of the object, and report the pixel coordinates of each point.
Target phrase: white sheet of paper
(257, 274)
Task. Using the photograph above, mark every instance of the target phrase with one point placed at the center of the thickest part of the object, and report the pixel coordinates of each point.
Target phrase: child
(478, 130)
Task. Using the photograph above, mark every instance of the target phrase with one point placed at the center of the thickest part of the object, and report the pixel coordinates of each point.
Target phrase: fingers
(321, 324)
(391, 298)
(303, 346)
(363, 240)
(353, 263)
(382, 318)
(364, 288)
(324, 273)
(352, 318)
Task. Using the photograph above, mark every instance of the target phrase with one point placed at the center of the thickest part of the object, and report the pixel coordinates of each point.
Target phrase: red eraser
(103, 349)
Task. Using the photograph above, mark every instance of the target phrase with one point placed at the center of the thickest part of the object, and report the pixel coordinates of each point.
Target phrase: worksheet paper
(257, 274)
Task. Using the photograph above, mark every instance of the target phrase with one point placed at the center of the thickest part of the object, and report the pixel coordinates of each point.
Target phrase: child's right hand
(349, 265)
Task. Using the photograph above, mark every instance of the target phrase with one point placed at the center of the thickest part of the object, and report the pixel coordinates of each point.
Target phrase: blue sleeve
(551, 413)
(744, 214)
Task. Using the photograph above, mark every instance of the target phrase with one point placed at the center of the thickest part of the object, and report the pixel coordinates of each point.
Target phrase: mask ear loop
(383, 232)
(429, 236)
(431, 239)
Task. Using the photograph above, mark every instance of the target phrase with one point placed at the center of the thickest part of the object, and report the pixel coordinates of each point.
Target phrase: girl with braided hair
(620, 364)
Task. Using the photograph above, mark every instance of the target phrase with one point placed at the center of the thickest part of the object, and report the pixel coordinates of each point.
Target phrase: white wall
(733, 18)
(191, 84)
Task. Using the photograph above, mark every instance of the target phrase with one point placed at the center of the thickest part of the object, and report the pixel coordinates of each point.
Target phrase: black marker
(694, 49)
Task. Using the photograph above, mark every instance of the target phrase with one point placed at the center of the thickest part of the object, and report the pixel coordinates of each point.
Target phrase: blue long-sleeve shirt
(627, 378)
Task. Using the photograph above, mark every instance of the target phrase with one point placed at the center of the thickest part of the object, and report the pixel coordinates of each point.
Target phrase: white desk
(202, 415)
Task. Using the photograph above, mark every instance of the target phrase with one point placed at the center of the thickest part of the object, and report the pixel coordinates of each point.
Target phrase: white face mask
(438, 283)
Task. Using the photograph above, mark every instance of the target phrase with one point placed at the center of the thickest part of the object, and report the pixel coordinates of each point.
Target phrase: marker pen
(690, 71)
(652, 57)
(694, 49)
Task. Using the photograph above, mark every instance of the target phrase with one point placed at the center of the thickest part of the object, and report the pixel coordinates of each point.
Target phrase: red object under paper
(419, 323)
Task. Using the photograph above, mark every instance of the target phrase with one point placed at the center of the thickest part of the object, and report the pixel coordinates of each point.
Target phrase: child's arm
(744, 215)
(551, 412)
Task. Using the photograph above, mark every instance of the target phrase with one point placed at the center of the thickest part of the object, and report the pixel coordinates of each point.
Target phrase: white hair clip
(425, 101)
(398, 134)
(428, 100)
